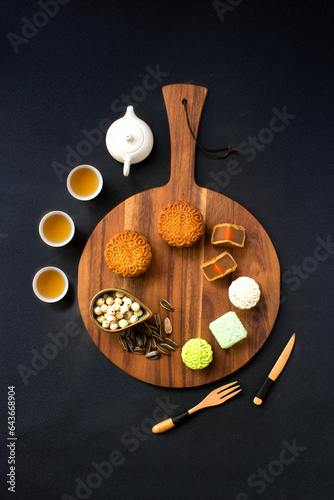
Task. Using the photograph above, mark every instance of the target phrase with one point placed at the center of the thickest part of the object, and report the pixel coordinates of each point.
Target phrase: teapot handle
(126, 167)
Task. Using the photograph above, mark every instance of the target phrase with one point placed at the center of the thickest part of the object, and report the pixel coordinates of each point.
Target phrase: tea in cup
(50, 284)
(56, 228)
(84, 182)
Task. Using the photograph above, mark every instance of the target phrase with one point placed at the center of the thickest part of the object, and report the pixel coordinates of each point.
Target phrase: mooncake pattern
(244, 293)
(228, 329)
(180, 224)
(128, 254)
(197, 354)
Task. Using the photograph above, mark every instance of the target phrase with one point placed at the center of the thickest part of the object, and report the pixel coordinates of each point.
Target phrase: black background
(66, 78)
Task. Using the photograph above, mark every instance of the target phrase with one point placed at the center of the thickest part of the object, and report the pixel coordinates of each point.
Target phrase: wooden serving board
(175, 274)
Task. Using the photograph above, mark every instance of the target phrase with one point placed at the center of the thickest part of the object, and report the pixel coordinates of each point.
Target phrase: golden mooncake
(180, 224)
(128, 254)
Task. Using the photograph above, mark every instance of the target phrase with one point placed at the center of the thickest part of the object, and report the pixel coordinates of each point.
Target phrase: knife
(279, 365)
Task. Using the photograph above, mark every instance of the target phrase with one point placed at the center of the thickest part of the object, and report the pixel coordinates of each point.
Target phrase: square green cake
(228, 330)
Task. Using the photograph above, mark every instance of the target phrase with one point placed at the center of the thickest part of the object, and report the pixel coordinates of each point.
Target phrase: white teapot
(129, 139)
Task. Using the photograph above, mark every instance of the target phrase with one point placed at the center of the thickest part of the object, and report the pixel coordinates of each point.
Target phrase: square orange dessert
(219, 266)
(228, 235)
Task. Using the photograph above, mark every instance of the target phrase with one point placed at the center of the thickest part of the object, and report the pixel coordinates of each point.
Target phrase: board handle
(182, 144)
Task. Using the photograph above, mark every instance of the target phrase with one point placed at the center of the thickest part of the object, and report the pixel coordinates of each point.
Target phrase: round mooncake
(180, 224)
(244, 293)
(128, 254)
(197, 354)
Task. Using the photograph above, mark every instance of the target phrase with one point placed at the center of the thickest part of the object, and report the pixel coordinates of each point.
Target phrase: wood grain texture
(175, 274)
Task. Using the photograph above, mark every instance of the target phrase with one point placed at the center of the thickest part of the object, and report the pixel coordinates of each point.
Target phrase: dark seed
(166, 305)
(167, 346)
(163, 350)
(130, 343)
(143, 338)
(139, 350)
(123, 343)
(157, 319)
(153, 355)
(168, 326)
(139, 341)
(144, 328)
(162, 332)
(158, 337)
(148, 345)
(149, 338)
(171, 342)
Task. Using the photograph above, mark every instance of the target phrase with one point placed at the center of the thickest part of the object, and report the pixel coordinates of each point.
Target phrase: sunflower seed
(130, 343)
(143, 339)
(157, 319)
(166, 305)
(148, 345)
(171, 342)
(139, 350)
(168, 326)
(157, 337)
(167, 346)
(132, 335)
(123, 343)
(162, 332)
(143, 328)
(163, 350)
(153, 355)
(149, 338)
(139, 341)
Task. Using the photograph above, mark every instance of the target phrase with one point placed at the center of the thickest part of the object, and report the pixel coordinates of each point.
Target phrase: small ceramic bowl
(47, 221)
(51, 277)
(144, 317)
(89, 175)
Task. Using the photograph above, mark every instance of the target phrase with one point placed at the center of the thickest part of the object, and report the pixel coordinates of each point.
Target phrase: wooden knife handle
(263, 391)
(165, 425)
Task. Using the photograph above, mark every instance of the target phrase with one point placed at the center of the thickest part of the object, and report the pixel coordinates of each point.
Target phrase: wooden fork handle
(165, 425)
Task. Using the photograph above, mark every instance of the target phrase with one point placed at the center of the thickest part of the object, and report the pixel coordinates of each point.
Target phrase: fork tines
(227, 391)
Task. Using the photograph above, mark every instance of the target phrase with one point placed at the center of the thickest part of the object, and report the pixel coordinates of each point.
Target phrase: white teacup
(50, 284)
(84, 182)
(56, 228)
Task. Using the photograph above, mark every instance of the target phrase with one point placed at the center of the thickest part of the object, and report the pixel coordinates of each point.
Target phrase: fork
(214, 398)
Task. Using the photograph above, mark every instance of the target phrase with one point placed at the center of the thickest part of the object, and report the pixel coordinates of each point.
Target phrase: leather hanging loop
(207, 151)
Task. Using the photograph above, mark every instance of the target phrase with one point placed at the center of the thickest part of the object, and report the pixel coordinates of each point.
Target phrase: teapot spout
(130, 113)
(126, 166)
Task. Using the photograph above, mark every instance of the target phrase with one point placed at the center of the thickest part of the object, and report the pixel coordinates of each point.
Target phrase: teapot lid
(125, 137)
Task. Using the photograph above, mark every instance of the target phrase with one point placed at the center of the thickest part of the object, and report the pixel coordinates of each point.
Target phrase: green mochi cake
(228, 330)
(197, 354)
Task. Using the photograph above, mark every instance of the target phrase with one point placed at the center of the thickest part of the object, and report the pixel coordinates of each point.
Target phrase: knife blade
(278, 367)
